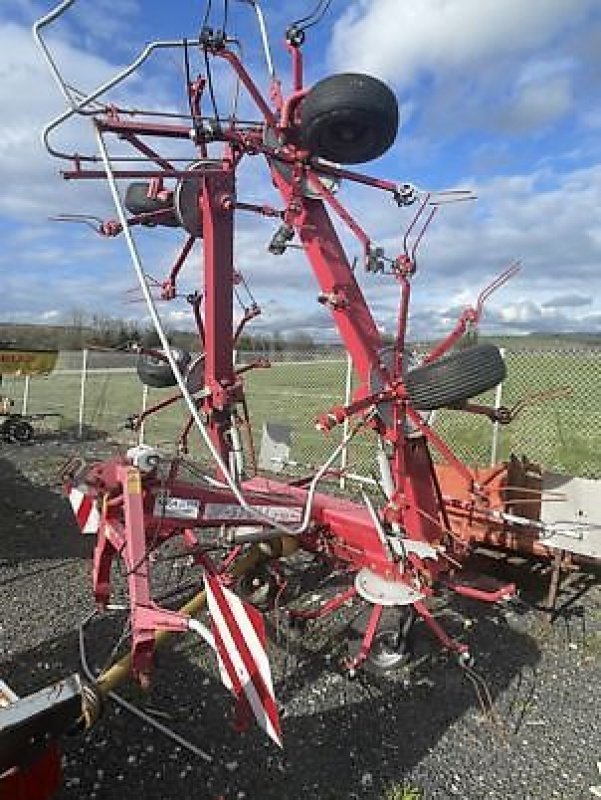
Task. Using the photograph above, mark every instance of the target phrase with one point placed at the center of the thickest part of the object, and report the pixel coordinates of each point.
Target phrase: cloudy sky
(501, 97)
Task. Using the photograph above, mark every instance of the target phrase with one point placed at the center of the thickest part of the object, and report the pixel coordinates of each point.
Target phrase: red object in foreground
(240, 642)
(39, 781)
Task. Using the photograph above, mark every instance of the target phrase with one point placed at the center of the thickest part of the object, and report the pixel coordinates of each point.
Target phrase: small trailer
(19, 362)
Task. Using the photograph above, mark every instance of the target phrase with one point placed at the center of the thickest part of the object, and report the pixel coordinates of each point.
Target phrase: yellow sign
(27, 362)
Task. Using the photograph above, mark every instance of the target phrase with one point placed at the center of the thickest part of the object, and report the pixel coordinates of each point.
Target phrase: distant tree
(278, 343)
(245, 342)
(150, 338)
(73, 336)
(300, 341)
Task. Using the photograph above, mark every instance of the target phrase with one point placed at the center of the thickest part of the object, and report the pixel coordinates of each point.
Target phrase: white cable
(235, 489)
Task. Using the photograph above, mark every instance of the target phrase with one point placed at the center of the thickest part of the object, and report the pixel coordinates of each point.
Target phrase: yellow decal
(27, 362)
(134, 484)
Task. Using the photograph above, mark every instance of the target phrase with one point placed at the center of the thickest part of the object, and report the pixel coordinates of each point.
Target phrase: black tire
(270, 138)
(17, 430)
(393, 641)
(454, 379)
(138, 202)
(155, 372)
(257, 587)
(185, 200)
(195, 374)
(5, 429)
(349, 118)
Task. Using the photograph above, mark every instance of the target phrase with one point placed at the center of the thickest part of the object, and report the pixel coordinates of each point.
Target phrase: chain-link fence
(555, 392)
(559, 424)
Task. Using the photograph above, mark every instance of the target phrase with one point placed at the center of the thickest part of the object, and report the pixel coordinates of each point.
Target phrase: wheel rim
(385, 654)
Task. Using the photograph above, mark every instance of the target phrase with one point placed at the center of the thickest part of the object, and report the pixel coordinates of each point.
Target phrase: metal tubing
(264, 37)
(494, 447)
(77, 107)
(25, 400)
(327, 608)
(348, 396)
(143, 415)
(471, 592)
(82, 391)
(446, 641)
(231, 483)
(48, 18)
(137, 712)
(121, 670)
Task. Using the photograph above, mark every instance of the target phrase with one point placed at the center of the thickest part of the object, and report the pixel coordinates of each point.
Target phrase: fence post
(496, 428)
(25, 400)
(348, 386)
(82, 390)
(144, 407)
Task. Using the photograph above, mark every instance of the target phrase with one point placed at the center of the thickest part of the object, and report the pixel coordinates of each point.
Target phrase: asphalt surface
(424, 728)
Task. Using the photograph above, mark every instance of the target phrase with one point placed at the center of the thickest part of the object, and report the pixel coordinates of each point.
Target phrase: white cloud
(508, 67)
(541, 215)
(535, 104)
(399, 41)
(568, 301)
(29, 99)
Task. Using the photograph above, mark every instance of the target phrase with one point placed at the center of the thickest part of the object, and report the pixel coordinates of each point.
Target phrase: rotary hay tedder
(394, 550)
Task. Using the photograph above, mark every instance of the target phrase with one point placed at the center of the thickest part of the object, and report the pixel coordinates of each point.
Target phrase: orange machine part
(513, 488)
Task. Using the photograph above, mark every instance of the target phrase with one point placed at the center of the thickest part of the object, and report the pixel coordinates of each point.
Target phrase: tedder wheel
(137, 201)
(454, 379)
(157, 373)
(186, 203)
(349, 118)
(258, 587)
(392, 643)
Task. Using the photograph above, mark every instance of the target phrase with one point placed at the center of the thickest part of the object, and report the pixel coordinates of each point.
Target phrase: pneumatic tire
(393, 641)
(156, 373)
(454, 379)
(138, 202)
(349, 118)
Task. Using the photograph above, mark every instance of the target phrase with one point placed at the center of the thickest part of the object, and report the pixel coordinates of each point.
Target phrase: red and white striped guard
(240, 639)
(85, 510)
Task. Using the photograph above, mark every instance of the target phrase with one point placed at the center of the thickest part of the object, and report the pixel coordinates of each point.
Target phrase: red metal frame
(339, 530)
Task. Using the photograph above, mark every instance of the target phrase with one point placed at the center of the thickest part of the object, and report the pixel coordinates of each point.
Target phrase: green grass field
(563, 434)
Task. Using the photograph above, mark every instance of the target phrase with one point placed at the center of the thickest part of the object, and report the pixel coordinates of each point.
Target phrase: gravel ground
(422, 729)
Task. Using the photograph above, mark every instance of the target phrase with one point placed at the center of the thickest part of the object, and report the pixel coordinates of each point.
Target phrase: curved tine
(84, 219)
(413, 222)
(451, 196)
(151, 280)
(499, 281)
(264, 37)
(420, 235)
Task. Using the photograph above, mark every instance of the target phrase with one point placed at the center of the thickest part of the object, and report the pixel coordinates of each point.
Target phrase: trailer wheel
(393, 641)
(19, 430)
(137, 202)
(349, 118)
(155, 372)
(454, 379)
